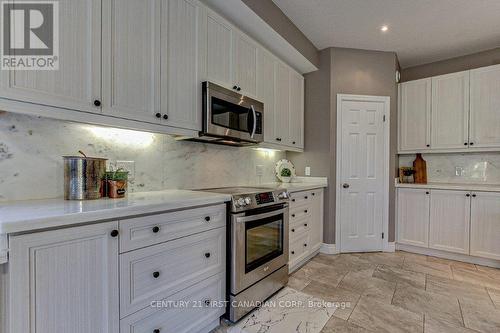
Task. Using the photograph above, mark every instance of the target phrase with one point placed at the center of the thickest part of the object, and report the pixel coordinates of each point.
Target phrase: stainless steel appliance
(230, 118)
(257, 246)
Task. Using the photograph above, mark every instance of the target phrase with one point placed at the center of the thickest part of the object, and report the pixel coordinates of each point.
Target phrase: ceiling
(420, 31)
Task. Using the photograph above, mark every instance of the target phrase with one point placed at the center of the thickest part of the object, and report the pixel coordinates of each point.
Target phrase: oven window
(264, 241)
(230, 115)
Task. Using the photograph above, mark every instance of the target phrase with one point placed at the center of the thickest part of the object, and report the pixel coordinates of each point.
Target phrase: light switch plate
(127, 166)
(307, 171)
(259, 170)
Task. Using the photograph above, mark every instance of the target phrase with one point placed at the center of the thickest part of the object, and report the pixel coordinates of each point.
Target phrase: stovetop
(248, 197)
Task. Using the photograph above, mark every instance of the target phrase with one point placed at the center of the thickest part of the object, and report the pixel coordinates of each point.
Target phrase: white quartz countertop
(31, 215)
(450, 186)
(301, 184)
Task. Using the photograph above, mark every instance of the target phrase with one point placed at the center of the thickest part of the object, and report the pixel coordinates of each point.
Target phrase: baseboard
(390, 247)
(328, 249)
(449, 255)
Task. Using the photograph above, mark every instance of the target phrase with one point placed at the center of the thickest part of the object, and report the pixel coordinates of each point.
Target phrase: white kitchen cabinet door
(266, 70)
(245, 65)
(219, 50)
(296, 110)
(131, 54)
(450, 111)
(485, 107)
(485, 225)
(415, 115)
(413, 216)
(77, 82)
(282, 109)
(449, 221)
(181, 64)
(316, 229)
(65, 280)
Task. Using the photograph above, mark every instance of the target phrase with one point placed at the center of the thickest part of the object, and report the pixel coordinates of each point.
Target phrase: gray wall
(272, 15)
(344, 71)
(476, 60)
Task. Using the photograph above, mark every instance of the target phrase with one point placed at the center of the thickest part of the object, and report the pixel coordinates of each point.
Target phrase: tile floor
(403, 292)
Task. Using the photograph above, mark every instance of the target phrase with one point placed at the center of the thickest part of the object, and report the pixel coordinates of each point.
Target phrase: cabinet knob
(305, 211)
(293, 230)
(427, 192)
(305, 197)
(278, 139)
(293, 200)
(345, 185)
(156, 275)
(207, 218)
(156, 229)
(465, 143)
(313, 194)
(97, 103)
(165, 116)
(427, 145)
(156, 330)
(305, 245)
(293, 215)
(305, 224)
(207, 254)
(114, 233)
(235, 87)
(471, 144)
(467, 195)
(474, 195)
(238, 89)
(158, 115)
(293, 252)
(293, 142)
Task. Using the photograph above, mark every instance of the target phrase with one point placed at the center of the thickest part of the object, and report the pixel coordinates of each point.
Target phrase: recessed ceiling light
(384, 28)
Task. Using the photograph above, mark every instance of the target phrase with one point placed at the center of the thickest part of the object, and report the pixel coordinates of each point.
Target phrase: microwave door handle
(254, 121)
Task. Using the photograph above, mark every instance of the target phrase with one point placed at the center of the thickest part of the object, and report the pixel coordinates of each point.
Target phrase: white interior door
(362, 176)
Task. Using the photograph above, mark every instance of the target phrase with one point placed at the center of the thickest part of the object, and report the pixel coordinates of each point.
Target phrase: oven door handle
(260, 216)
(254, 121)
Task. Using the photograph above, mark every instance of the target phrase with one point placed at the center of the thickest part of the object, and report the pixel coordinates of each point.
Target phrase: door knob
(345, 185)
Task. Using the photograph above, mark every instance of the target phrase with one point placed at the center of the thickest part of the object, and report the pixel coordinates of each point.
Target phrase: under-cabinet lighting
(122, 136)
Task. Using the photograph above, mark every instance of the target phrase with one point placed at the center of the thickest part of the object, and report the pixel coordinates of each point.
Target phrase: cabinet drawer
(299, 228)
(183, 312)
(298, 247)
(159, 271)
(303, 197)
(149, 230)
(301, 212)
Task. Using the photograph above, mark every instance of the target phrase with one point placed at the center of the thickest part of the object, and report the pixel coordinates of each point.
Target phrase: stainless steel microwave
(230, 118)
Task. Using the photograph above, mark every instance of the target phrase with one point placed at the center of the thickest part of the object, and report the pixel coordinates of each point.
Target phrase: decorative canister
(116, 183)
(82, 177)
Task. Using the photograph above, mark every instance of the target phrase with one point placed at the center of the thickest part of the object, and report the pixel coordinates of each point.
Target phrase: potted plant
(286, 175)
(116, 182)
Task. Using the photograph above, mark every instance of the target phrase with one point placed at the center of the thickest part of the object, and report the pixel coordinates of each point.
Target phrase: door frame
(387, 125)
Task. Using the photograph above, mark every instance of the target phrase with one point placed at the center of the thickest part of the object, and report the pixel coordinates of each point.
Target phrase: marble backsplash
(31, 166)
(469, 168)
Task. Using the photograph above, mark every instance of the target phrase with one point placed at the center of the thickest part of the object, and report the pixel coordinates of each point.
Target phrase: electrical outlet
(259, 170)
(459, 171)
(307, 171)
(127, 166)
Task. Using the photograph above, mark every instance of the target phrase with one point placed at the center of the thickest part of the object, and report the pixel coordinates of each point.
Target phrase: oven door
(259, 244)
(227, 114)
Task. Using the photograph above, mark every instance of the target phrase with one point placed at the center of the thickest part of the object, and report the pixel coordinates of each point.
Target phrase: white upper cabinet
(449, 221)
(485, 225)
(415, 115)
(282, 109)
(181, 64)
(296, 110)
(266, 66)
(77, 83)
(245, 65)
(219, 50)
(450, 111)
(413, 216)
(485, 107)
(131, 57)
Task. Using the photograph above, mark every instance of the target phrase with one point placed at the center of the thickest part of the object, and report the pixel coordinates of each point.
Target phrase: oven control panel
(264, 198)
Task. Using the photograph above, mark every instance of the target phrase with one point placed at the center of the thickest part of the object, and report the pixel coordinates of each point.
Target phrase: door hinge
(384, 118)
(383, 235)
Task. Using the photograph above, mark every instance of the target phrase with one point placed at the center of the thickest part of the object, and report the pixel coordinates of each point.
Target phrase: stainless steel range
(257, 246)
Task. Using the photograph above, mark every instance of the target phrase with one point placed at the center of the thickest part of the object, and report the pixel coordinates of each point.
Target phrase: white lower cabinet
(457, 221)
(449, 221)
(75, 279)
(64, 281)
(413, 216)
(305, 226)
(485, 225)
